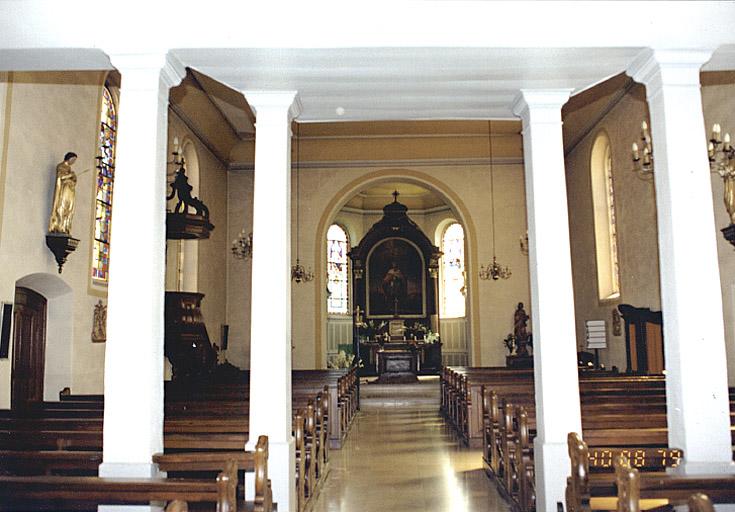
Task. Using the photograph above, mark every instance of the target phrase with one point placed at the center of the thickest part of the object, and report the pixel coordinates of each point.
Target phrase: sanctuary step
(425, 392)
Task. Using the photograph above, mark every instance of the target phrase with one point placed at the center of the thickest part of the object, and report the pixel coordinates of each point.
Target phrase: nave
(401, 455)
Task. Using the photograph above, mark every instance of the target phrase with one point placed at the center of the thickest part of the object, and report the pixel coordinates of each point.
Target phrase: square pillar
(133, 415)
(270, 331)
(552, 295)
(697, 402)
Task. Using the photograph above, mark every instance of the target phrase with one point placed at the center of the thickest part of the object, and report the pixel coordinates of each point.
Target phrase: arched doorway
(29, 347)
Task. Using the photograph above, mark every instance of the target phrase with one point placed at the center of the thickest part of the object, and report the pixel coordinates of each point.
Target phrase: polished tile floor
(401, 456)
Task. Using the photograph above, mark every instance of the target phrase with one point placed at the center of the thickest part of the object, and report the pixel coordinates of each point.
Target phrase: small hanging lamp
(493, 270)
(298, 272)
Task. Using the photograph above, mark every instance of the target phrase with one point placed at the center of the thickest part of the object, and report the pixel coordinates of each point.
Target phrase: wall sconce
(643, 155)
(242, 246)
(721, 154)
(523, 242)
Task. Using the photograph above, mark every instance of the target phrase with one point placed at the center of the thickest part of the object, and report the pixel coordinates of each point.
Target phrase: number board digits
(602, 458)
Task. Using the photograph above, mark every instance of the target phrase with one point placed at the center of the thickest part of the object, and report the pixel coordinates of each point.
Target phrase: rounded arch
(59, 329)
(459, 209)
(441, 227)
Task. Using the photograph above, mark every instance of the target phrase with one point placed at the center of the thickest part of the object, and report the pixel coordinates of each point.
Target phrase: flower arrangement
(340, 360)
(372, 329)
(416, 331)
(431, 337)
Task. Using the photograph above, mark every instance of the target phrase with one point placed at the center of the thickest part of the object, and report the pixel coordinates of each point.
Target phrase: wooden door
(29, 347)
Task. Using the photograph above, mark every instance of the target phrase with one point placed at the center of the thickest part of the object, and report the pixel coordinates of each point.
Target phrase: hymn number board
(642, 458)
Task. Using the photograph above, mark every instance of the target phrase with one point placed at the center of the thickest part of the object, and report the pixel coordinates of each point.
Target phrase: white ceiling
(375, 60)
(407, 83)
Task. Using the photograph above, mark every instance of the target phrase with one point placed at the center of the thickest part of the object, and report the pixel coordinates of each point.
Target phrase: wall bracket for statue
(182, 224)
(729, 233)
(61, 245)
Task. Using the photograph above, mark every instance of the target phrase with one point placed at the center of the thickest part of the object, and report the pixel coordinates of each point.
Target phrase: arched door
(29, 347)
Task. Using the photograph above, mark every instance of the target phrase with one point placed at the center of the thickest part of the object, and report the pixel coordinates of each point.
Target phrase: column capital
(262, 100)
(656, 68)
(545, 104)
(138, 68)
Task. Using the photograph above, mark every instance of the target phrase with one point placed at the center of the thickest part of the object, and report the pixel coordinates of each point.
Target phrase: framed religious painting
(396, 279)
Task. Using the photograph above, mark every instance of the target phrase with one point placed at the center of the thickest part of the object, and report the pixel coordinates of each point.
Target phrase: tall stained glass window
(606, 233)
(338, 245)
(453, 273)
(105, 181)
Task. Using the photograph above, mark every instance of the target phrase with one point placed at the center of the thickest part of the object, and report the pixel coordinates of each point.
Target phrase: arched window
(338, 245)
(105, 181)
(606, 235)
(453, 274)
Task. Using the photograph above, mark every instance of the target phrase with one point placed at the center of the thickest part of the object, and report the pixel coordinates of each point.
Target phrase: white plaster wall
(50, 114)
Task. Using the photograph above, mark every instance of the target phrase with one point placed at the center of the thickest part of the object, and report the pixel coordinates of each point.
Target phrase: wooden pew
(509, 428)
(628, 485)
(57, 492)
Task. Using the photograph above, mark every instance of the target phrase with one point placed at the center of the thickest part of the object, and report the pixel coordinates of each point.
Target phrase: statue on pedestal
(62, 209)
(520, 330)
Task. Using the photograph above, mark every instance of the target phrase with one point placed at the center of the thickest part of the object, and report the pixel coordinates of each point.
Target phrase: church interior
(345, 272)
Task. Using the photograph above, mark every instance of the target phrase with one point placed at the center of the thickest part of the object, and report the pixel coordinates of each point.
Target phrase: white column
(133, 424)
(270, 330)
(552, 295)
(694, 339)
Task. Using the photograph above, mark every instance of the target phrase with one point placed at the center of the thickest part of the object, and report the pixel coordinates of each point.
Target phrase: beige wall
(635, 209)
(50, 114)
(719, 107)
(637, 230)
(334, 170)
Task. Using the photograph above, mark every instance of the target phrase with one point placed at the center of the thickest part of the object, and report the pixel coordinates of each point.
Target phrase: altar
(425, 357)
(395, 269)
(397, 365)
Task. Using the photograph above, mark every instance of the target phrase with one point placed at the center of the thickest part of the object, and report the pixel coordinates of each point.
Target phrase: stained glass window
(453, 272)
(105, 181)
(338, 245)
(615, 269)
(606, 233)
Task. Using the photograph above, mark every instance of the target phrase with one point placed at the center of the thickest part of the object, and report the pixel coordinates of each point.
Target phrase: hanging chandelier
(298, 272)
(493, 270)
(242, 246)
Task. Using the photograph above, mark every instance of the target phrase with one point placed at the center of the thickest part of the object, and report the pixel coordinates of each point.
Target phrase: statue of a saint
(62, 209)
(520, 331)
(729, 182)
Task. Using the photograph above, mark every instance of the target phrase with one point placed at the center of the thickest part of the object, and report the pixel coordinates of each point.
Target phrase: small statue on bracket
(62, 209)
(59, 239)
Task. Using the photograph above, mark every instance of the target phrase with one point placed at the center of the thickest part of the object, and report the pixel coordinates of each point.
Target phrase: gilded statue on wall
(729, 182)
(99, 323)
(62, 209)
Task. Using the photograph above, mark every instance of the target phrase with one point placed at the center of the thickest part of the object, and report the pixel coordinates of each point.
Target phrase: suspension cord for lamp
(492, 184)
(298, 192)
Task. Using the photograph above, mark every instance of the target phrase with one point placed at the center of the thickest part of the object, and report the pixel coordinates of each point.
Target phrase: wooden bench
(588, 490)
(58, 492)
